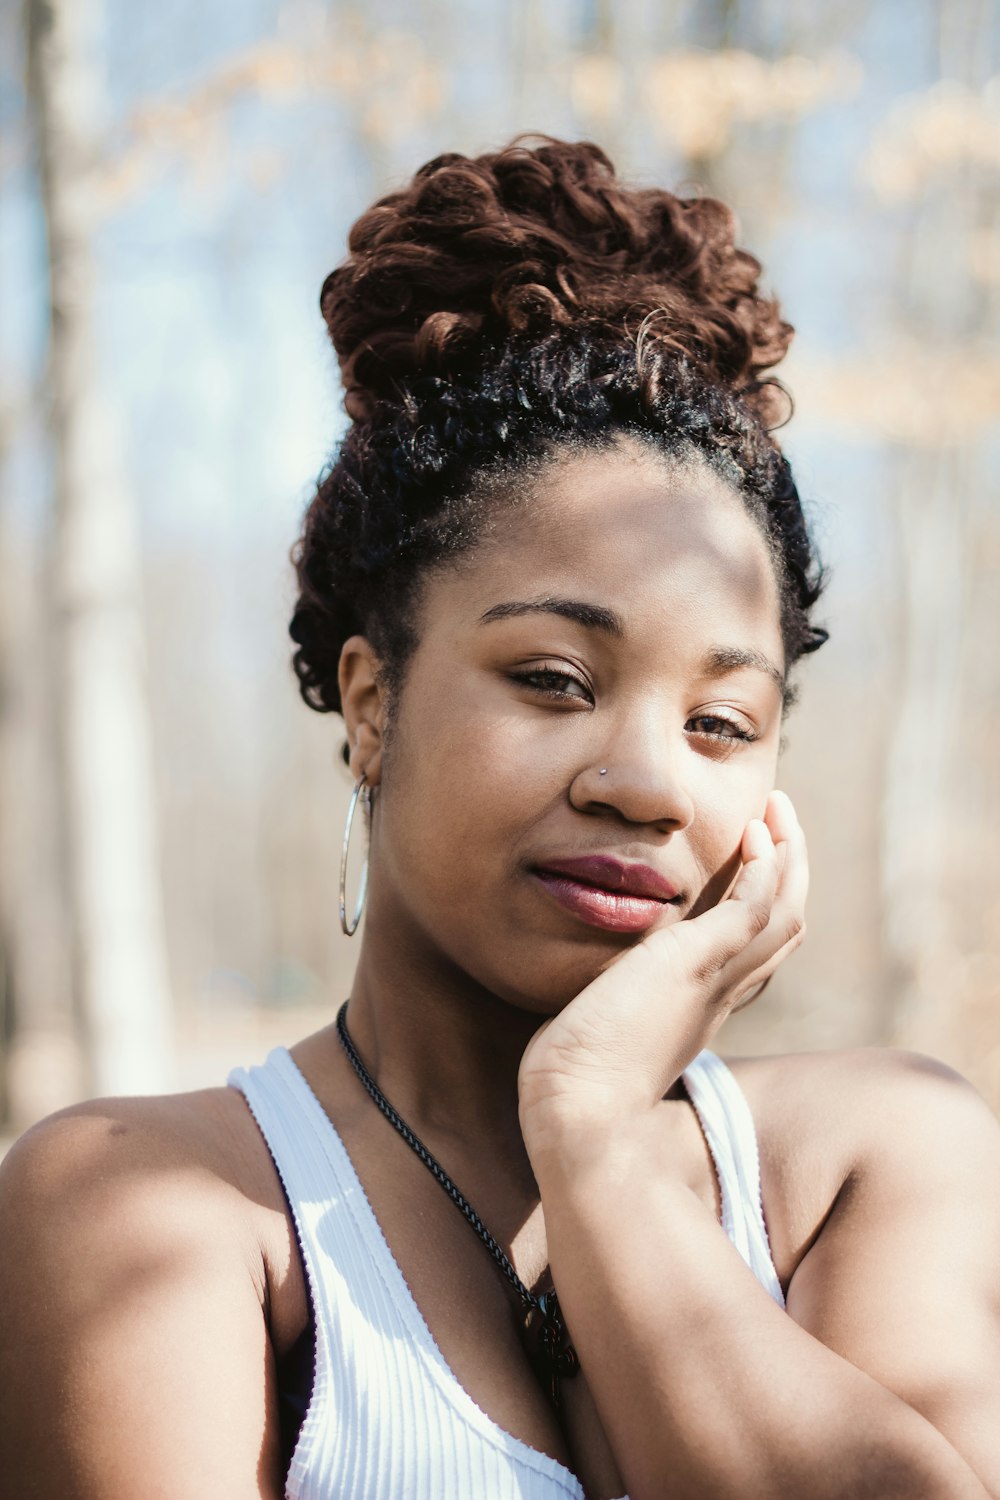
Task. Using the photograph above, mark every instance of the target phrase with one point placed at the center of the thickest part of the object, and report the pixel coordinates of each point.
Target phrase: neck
(443, 1050)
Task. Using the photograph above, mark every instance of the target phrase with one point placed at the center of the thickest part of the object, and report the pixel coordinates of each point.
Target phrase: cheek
(453, 779)
(459, 737)
(725, 808)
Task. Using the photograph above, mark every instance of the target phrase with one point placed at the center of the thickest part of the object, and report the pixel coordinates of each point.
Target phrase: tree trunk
(95, 602)
(917, 896)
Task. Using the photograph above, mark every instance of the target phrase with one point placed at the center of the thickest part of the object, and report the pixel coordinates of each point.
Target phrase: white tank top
(387, 1419)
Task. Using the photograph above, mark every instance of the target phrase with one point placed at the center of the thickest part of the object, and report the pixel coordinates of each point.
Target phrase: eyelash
(538, 675)
(549, 675)
(747, 736)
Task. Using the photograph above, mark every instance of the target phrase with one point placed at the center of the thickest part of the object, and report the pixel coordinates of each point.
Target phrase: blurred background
(175, 181)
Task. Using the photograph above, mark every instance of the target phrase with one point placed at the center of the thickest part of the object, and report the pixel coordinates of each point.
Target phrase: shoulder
(205, 1139)
(134, 1261)
(114, 1173)
(98, 1190)
(889, 1165)
(870, 1102)
(884, 1122)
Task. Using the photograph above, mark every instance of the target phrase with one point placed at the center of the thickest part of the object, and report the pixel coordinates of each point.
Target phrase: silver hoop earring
(364, 791)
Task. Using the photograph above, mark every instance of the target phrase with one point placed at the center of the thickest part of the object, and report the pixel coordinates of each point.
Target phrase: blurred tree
(106, 759)
(6, 1008)
(936, 164)
(858, 144)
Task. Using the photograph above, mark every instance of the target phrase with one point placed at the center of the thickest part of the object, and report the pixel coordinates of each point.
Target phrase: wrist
(578, 1144)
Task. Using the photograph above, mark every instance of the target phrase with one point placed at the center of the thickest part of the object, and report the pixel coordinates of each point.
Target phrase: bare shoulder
(869, 1100)
(880, 1175)
(133, 1152)
(135, 1238)
(900, 1121)
(185, 1174)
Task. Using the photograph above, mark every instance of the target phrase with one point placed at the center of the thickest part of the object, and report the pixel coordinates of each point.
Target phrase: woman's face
(590, 719)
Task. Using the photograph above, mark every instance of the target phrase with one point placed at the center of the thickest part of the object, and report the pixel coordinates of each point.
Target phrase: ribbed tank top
(387, 1419)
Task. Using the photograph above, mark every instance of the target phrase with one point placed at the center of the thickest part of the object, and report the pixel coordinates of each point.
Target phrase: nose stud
(603, 771)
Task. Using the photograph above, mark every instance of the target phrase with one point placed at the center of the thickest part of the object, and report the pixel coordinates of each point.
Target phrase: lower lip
(612, 910)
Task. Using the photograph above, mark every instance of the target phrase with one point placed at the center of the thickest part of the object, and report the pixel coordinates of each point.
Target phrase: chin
(547, 986)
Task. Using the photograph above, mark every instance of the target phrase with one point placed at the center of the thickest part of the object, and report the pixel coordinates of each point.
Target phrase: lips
(607, 892)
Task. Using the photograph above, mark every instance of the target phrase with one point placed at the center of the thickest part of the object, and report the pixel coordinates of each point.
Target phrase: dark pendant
(555, 1357)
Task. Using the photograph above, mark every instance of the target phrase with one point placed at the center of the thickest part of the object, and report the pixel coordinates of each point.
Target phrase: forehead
(663, 543)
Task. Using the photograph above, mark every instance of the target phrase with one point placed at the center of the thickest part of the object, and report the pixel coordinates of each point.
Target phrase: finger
(780, 815)
(739, 940)
(732, 925)
(786, 922)
(757, 883)
(793, 886)
(753, 982)
(775, 820)
(774, 892)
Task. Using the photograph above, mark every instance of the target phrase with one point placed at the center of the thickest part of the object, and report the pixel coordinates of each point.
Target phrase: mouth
(606, 892)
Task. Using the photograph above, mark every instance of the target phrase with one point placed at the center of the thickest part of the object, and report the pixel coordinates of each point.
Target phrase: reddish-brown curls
(525, 240)
(490, 313)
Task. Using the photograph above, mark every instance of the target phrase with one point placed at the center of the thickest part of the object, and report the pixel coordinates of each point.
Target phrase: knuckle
(758, 915)
(705, 973)
(795, 929)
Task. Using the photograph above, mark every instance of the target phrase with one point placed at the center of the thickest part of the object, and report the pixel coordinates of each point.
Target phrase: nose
(641, 775)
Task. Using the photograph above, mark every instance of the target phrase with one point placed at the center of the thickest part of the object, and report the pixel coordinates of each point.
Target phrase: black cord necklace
(556, 1359)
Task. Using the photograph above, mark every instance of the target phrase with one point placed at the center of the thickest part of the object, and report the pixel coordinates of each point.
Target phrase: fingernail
(760, 834)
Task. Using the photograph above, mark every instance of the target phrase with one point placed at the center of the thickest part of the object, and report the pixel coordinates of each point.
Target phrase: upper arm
(904, 1278)
(134, 1356)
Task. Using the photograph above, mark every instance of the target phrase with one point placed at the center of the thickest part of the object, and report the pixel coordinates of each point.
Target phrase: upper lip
(610, 874)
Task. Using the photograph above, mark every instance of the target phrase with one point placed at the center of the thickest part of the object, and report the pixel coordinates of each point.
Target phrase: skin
(150, 1269)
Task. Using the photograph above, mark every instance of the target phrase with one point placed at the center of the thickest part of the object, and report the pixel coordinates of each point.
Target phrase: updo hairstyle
(496, 310)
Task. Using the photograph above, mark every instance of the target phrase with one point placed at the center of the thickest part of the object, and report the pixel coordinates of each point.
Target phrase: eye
(554, 682)
(721, 728)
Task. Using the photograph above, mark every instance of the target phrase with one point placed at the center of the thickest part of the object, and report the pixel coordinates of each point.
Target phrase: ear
(363, 707)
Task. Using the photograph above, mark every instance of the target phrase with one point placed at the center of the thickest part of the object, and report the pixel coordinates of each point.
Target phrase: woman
(556, 582)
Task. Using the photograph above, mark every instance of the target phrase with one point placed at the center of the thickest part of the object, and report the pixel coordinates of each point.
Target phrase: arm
(705, 1386)
(134, 1357)
(882, 1380)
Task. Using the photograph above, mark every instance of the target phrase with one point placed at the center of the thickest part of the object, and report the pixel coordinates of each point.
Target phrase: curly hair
(495, 310)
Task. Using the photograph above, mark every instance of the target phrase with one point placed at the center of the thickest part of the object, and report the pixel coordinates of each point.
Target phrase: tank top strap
(728, 1128)
(387, 1416)
(305, 1158)
(319, 1181)
(343, 1249)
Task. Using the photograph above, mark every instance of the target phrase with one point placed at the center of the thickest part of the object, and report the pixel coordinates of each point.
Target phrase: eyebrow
(592, 616)
(723, 659)
(719, 660)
